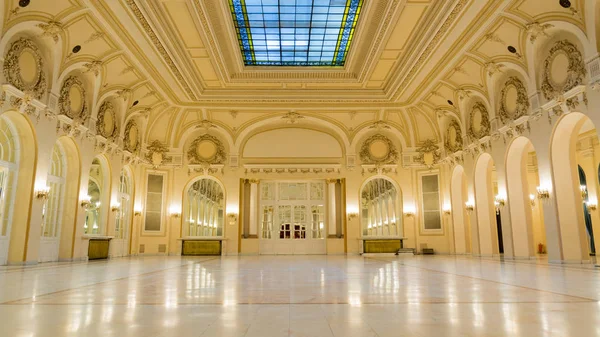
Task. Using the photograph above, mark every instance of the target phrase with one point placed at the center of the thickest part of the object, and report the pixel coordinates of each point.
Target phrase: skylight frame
(303, 33)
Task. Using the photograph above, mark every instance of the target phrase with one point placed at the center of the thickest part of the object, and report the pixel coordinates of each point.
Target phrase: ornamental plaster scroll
(74, 107)
(513, 110)
(106, 125)
(156, 153)
(479, 128)
(378, 149)
(206, 150)
(132, 137)
(429, 153)
(551, 87)
(22, 56)
(454, 140)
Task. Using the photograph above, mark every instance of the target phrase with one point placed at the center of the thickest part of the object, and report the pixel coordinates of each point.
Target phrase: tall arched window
(94, 218)
(52, 211)
(380, 209)
(204, 209)
(124, 216)
(8, 168)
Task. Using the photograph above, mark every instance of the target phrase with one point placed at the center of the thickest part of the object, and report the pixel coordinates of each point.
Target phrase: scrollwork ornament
(218, 156)
(156, 154)
(521, 105)
(106, 108)
(457, 144)
(64, 101)
(429, 153)
(484, 128)
(575, 73)
(367, 157)
(37, 85)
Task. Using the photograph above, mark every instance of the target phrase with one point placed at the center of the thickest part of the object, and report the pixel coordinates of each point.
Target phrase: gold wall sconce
(352, 216)
(42, 193)
(232, 218)
(85, 202)
(532, 200)
(543, 193)
(469, 206)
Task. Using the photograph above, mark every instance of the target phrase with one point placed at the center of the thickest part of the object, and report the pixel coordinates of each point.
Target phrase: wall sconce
(469, 206)
(115, 207)
(447, 211)
(85, 202)
(137, 210)
(499, 202)
(543, 193)
(232, 217)
(42, 193)
(592, 206)
(532, 200)
(583, 190)
(175, 211)
(352, 216)
(409, 213)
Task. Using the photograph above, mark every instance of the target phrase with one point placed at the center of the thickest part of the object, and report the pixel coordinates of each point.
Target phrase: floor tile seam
(221, 304)
(104, 282)
(524, 263)
(491, 281)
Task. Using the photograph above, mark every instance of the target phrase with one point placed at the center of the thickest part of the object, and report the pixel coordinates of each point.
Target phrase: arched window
(8, 167)
(94, 222)
(52, 211)
(380, 209)
(124, 216)
(204, 209)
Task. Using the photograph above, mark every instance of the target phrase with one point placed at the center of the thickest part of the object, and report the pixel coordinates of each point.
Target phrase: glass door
(292, 222)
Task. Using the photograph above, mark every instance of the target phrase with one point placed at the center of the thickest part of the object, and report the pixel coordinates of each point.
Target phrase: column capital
(331, 181)
(254, 181)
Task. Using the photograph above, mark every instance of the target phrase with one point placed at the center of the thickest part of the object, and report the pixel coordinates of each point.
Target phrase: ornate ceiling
(180, 61)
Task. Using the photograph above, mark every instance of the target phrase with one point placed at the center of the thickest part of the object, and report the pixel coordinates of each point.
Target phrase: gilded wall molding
(72, 101)
(132, 137)
(379, 150)
(27, 80)
(429, 153)
(156, 154)
(576, 70)
(513, 110)
(454, 140)
(206, 150)
(479, 122)
(106, 124)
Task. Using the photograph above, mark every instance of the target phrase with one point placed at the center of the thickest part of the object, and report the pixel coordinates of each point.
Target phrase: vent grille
(234, 161)
(162, 248)
(142, 248)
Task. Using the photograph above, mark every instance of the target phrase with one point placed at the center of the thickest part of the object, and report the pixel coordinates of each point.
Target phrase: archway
(204, 209)
(570, 130)
(18, 156)
(525, 211)
(99, 194)
(124, 216)
(71, 197)
(587, 217)
(486, 211)
(459, 197)
(380, 210)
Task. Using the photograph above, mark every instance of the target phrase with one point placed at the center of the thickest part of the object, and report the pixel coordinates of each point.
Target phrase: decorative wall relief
(479, 122)
(378, 149)
(72, 100)
(132, 137)
(454, 140)
(106, 126)
(206, 149)
(24, 68)
(513, 101)
(429, 153)
(156, 154)
(564, 69)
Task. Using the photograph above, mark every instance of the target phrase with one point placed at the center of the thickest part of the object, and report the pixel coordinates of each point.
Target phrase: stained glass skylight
(295, 32)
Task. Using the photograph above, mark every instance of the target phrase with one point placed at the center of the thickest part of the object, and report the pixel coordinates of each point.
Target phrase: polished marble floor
(300, 296)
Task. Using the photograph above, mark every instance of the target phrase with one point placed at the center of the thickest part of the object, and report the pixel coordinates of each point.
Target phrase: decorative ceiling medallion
(156, 154)
(479, 121)
(206, 149)
(23, 68)
(564, 69)
(72, 100)
(106, 125)
(378, 149)
(454, 141)
(429, 153)
(513, 102)
(132, 137)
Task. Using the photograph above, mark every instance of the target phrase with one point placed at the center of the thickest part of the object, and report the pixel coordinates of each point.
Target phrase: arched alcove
(381, 208)
(459, 197)
(204, 208)
(484, 200)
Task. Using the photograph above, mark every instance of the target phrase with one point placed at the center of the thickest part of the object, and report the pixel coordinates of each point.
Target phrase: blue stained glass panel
(295, 32)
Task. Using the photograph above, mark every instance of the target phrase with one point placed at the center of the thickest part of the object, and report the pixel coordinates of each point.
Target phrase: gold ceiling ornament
(479, 122)
(292, 117)
(206, 150)
(513, 100)
(156, 153)
(72, 99)
(106, 124)
(52, 29)
(536, 29)
(379, 150)
(454, 140)
(205, 124)
(24, 68)
(132, 137)
(429, 153)
(491, 68)
(93, 67)
(564, 69)
(379, 125)
(94, 36)
(124, 94)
